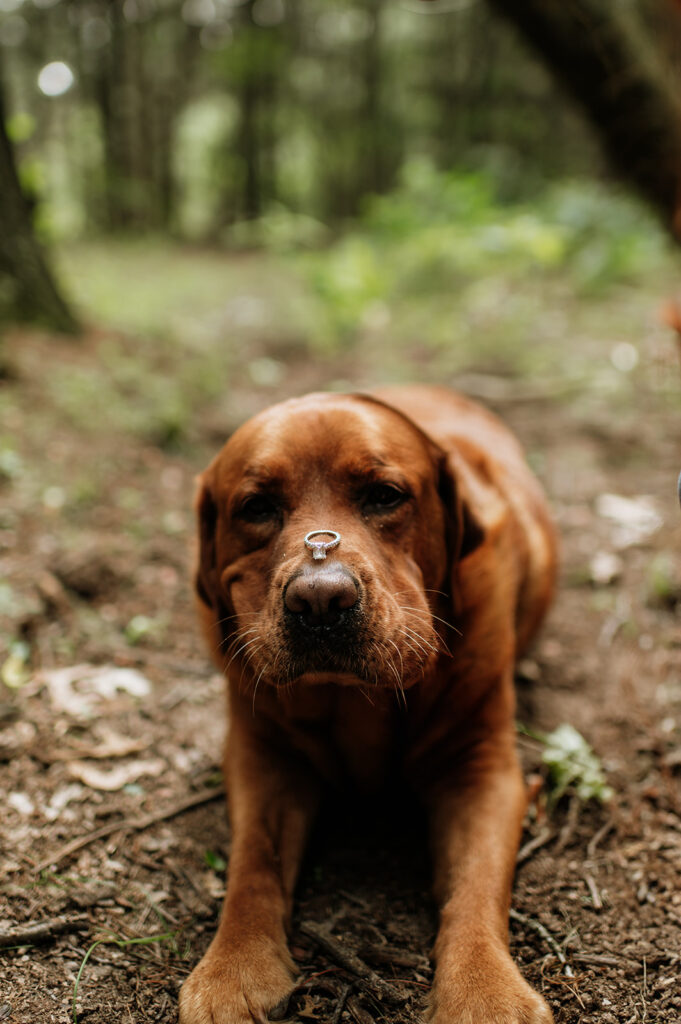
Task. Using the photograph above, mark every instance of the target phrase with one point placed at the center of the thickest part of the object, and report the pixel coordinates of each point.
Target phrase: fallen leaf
(111, 744)
(116, 778)
(310, 1008)
(78, 689)
(62, 798)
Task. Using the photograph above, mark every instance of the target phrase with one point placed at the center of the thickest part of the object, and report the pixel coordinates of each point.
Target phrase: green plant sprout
(572, 765)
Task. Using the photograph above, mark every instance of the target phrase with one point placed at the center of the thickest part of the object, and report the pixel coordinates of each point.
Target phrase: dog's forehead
(347, 433)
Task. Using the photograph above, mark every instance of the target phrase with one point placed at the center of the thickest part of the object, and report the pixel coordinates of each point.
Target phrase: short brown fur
(424, 606)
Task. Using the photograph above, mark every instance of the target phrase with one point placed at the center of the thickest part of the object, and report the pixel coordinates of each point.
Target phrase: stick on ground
(130, 825)
(43, 930)
(379, 988)
(532, 845)
(538, 927)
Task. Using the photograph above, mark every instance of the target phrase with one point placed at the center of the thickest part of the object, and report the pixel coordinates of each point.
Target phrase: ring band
(319, 548)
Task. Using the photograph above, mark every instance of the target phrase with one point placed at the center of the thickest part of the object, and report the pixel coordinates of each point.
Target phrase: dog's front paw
(486, 990)
(236, 986)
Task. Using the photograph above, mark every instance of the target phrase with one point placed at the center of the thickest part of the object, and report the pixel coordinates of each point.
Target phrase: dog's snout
(321, 596)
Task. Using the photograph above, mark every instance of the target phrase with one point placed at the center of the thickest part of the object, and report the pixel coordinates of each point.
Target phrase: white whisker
(420, 641)
(419, 611)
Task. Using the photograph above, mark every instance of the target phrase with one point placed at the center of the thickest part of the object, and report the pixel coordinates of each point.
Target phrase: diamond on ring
(319, 548)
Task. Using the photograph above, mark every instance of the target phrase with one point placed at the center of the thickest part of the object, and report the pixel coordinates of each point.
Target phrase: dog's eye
(382, 497)
(258, 509)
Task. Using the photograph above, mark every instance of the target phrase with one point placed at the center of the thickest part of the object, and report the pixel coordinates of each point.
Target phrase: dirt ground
(112, 831)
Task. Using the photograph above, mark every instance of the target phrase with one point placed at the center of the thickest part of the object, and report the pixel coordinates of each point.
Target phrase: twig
(130, 825)
(43, 930)
(352, 963)
(601, 960)
(532, 845)
(340, 1005)
(596, 839)
(593, 891)
(570, 825)
(538, 927)
(395, 957)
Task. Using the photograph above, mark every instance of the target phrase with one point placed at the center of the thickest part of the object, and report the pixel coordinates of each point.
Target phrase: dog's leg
(247, 969)
(476, 818)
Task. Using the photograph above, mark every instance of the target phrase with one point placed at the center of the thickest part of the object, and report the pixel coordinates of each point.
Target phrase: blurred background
(371, 170)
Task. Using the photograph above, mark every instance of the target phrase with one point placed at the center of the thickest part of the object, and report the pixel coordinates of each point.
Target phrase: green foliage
(448, 234)
(609, 238)
(348, 278)
(279, 230)
(215, 861)
(137, 400)
(139, 627)
(573, 766)
(20, 127)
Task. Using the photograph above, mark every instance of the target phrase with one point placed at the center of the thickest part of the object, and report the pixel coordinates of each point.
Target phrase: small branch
(532, 845)
(538, 927)
(395, 957)
(593, 891)
(379, 988)
(131, 825)
(596, 839)
(570, 825)
(43, 930)
(340, 1005)
(602, 960)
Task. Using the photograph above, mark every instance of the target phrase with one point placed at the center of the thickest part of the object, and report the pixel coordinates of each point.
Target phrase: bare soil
(96, 531)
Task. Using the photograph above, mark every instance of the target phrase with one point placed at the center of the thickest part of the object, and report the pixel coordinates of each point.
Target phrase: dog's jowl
(364, 561)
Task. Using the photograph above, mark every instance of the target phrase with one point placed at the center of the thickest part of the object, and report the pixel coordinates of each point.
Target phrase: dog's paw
(489, 990)
(236, 987)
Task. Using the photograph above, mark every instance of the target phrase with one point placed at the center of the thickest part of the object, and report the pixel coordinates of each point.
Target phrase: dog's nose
(320, 596)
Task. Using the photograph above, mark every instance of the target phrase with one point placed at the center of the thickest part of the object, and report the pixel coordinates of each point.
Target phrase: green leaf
(215, 861)
(573, 766)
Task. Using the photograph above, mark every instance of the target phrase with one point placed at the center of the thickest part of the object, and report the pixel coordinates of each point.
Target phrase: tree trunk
(27, 289)
(612, 72)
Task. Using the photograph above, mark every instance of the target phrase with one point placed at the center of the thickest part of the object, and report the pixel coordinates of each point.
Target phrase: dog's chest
(351, 741)
(368, 739)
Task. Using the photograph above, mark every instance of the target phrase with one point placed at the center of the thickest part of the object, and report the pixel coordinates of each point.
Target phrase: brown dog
(388, 636)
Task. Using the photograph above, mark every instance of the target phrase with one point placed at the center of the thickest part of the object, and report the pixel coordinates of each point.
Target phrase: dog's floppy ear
(206, 569)
(458, 493)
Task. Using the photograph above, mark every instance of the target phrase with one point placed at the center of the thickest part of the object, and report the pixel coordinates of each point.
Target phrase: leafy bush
(442, 232)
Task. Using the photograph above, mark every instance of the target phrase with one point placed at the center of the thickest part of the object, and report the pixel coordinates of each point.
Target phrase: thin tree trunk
(372, 177)
(613, 74)
(27, 289)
